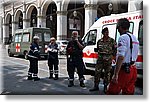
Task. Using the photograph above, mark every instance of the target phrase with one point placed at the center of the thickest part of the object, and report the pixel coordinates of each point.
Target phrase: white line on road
(28, 66)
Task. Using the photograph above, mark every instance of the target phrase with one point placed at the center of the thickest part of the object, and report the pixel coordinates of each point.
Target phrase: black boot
(35, 77)
(82, 84)
(29, 76)
(70, 84)
(56, 77)
(51, 74)
(95, 88)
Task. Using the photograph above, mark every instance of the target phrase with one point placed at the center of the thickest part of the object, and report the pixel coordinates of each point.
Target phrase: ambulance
(24, 37)
(94, 34)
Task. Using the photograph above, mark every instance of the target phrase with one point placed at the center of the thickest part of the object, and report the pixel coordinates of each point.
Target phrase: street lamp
(51, 17)
(33, 21)
(20, 23)
(75, 12)
(110, 6)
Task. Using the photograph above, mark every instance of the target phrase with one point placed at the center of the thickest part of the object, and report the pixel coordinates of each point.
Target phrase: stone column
(90, 15)
(134, 5)
(14, 24)
(14, 27)
(41, 20)
(26, 22)
(5, 29)
(1, 27)
(61, 25)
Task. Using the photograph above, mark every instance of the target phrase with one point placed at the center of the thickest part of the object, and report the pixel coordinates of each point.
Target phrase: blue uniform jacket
(34, 51)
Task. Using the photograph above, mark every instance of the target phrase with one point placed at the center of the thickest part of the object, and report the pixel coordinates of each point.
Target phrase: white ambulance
(94, 34)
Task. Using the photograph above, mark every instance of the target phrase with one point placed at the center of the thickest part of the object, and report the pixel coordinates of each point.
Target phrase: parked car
(62, 44)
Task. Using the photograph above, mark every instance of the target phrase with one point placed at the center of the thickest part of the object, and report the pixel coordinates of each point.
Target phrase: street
(14, 72)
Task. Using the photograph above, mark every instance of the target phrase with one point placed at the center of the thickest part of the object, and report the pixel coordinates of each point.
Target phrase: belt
(129, 63)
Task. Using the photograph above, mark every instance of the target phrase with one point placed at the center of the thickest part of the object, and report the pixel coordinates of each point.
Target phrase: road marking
(28, 66)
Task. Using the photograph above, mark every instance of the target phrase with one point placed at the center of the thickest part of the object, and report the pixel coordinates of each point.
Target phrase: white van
(94, 34)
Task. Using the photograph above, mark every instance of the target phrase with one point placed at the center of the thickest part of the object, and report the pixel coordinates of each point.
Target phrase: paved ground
(14, 73)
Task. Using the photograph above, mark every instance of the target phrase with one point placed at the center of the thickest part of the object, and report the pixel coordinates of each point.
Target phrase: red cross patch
(17, 47)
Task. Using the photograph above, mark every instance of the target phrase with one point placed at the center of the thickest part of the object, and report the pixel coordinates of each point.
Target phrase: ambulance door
(17, 44)
(140, 55)
(89, 55)
(25, 43)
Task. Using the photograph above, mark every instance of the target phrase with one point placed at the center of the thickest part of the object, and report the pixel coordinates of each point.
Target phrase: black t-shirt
(73, 48)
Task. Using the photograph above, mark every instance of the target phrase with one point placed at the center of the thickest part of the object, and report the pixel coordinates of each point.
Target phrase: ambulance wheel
(26, 55)
(10, 54)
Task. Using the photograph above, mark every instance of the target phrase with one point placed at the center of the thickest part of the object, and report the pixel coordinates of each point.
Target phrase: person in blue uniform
(34, 56)
(53, 58)
(74, 59)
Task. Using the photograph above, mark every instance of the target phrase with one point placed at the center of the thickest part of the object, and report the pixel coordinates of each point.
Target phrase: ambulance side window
(90, 38)
(85, 40)
(25, 37)
(111, 28)
(130, 30)
(140, 33)
(39, 35)
(18, 37)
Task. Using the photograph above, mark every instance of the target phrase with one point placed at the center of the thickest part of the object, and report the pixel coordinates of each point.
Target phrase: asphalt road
(14, 74)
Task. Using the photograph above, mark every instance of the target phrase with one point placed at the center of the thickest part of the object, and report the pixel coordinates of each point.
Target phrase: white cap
(36, 37)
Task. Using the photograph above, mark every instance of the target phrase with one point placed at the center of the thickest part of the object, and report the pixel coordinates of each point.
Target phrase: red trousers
(126, 82)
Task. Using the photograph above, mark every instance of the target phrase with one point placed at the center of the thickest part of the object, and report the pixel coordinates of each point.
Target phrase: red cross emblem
(17, 47)
(88, 52)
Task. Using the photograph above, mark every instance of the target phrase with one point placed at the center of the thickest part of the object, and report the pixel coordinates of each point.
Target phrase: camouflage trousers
(103, 67)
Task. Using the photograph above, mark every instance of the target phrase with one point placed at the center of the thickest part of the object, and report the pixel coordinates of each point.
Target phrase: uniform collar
(106, 40)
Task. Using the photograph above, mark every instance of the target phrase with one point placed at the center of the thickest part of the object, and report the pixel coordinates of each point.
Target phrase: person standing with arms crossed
(106, 47)
(125, 73)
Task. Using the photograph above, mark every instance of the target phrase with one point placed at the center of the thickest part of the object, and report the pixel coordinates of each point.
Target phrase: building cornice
(91, 6)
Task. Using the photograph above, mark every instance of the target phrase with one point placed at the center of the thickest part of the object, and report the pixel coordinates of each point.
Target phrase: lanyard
(131, 46)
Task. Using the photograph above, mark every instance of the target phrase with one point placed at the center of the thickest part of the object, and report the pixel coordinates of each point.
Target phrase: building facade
(61, 16)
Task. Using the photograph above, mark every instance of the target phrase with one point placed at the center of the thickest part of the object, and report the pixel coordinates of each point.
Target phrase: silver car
(62, 44)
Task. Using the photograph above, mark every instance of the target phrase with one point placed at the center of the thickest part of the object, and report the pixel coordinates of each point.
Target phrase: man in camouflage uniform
(106, 47)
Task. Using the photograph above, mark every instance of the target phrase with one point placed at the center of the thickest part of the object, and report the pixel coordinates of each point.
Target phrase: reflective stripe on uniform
(55, 71)
(51, 71)
(34, 75)
(32, 56)
(71, 79)
(35, 51)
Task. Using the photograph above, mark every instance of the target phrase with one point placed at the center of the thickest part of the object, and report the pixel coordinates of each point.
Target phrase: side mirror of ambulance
(95, 49)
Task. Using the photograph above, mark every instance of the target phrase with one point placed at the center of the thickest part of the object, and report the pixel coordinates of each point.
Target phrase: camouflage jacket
(107, 48)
